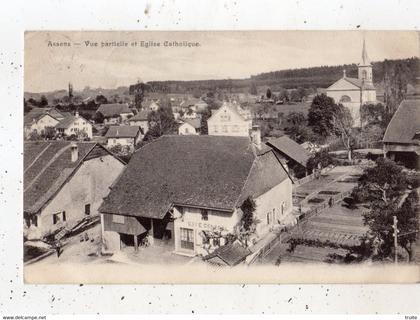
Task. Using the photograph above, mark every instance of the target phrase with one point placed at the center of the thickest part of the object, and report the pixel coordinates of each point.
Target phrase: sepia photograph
(221, 157)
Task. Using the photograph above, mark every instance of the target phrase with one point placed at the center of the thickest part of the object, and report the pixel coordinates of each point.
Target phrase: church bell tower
(365, 67)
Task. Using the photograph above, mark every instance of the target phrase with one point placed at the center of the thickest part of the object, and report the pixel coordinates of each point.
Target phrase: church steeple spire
(365, 67)
(365, 59)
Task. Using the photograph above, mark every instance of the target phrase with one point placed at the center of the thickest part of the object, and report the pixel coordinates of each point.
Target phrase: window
(87, 209)
(35, 220)
(204, 214)
(224, 129)
(216, 242)
(64, 216)
(274, 215)
(215, 128)
(268, 217)
(117, 218)
(235, 128)
(186, 130)
(56, 218)
(187, 238)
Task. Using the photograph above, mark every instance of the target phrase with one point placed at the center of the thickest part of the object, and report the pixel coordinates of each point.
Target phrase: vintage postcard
(221, 157)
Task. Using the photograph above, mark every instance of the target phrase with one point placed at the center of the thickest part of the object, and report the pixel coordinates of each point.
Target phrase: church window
(345, 98)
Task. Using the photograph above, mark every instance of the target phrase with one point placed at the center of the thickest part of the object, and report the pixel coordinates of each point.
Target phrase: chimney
(77, 114)
(256, 136)
(74, 152)
(344, 73)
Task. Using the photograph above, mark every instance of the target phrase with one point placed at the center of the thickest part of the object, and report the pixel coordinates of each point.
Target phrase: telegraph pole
(394, 226)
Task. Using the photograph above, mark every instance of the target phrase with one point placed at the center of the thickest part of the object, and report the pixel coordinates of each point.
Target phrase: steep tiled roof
(404, 124)
(142, 115)
(359, 83)
(202, 171)
(230, 254)
(47, 165)
(112, 109)
(122, 132)
(290, 148)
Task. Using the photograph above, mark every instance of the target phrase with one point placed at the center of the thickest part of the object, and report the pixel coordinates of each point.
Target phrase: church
(355, 92)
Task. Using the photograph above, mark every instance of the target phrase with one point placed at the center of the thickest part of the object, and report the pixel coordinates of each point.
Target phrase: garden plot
(306, 254)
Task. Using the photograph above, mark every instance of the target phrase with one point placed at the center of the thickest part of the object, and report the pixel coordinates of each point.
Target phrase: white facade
(40, 125)
(143, 124)
(80, 196)
(187, 129)
(78, 125)
(274, 207)
(125, 141)
(226, 121)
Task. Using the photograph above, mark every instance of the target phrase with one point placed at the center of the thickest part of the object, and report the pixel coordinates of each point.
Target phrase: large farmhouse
(353, 93)
(38, 119)
(187, 192)
(402, 136)
(114, 113)
(64, 182)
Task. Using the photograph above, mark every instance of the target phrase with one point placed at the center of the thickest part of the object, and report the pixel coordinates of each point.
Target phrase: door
(187, 238)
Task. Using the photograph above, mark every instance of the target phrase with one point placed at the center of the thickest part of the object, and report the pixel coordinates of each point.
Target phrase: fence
(311, 177)
(284, 236)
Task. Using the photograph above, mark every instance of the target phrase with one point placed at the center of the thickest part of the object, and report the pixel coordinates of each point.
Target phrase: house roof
(228, 106)
(360, 84)
(230, 254)
(142, 115)
(196, 122)
(37, 113)
(404, 124)
(47, 166)
(290, 148)
(200, 171)
(112, 109)
(123, 132)
(68, 121)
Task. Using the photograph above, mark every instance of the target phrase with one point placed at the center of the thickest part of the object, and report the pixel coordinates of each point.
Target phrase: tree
(343, 127)
(26, 106)
(320, 159)
(253, 89)
(138, 90)
(43, 101)
(408, 223)
(383, 187)
(372, 114)
(320, 115)
(98, 117)
(205, 115)
(295, 118)
(268, 93)
(161, 122)
(101, 99)
(296, 128)
(284, 95)
(248, 223)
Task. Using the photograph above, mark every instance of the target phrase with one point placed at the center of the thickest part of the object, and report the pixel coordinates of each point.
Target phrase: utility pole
(394, 226)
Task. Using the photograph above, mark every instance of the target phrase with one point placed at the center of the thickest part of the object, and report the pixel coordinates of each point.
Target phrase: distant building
(228, 121)
(190, 126)
(115, 113)
(64, 182)
(402, 136)
(150, 105)
(355, 92)
(141, 120)
(125, 136)
(75, 125)
(187, 191)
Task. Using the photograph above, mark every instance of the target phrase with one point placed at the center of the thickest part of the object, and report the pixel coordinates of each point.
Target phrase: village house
(75, 125)
(125, 136)
(190, 126)
(141, 120)
(401, 141)
(64, 182)
(353, 93)
(228, 121)
(291, 153)
(187, 192)
(115, 113)
(38, 119)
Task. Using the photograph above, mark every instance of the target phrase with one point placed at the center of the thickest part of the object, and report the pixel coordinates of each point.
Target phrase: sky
(219, 55)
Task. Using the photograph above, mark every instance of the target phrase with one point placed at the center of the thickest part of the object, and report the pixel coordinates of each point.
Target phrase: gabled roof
(199, 171)
(38, 113)
(290, 149)
(404, 124)
(230, 254)
(47, 166)
(228, 106)
(142, 115)
(112, 109)
(68, 121)
(195, 123)
(360, 84)
(123, 132)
